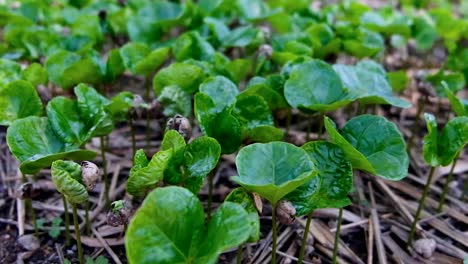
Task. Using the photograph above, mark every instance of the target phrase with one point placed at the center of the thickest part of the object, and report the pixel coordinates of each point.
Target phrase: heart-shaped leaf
(139, 58)
(188, 77)
(18, 99)
(201, 156)
(314, 85)
(179, 235)
(373, 144)
(119, 106)
(35, 74)
(273, 170)
(66, 176)
(367, 82)
(223, 126)
(33, 142)
(330, 188)
(242, 197)
(222, 92)
(175, 101)
(440, 150)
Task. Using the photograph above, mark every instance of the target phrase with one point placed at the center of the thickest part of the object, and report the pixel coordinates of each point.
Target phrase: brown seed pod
(265, 50)
(119, 214)
(286, 212)
(258, 202)
(90, 174)
(180, 124)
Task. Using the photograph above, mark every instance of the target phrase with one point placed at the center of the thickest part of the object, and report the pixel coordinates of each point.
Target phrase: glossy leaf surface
(180, 235)
(243, 198)
(373, 144)
(201, 156)
(330, 188)
(274, 169)
(18, 99)
(66, 176)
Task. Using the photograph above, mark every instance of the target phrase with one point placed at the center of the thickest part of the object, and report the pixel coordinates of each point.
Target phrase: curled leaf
(66, 176)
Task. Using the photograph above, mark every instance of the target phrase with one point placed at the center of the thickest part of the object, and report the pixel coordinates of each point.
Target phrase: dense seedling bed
(243, 131)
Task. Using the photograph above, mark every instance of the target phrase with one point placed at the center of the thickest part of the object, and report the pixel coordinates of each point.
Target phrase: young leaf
(33, 142)
(179, 235)
(18, 99)
(66, 176)
(459, 106)
(143, 178)
(330, 188)
(242, 197)
(222, 92)
(175, 101)
(440, 150)
(35, 74)
(373, 144)
(314, 85)
(201, 156)
(367, 81)
(274, 169)
(188, 77)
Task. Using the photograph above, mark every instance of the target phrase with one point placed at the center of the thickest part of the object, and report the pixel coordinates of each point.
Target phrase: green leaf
(66, 176)
(179, 235)
(201, 156)
(223, 126)
(398, 80)
(364, 43)
(459, 106)
(440, 150)
(314, 85)
(67, 69)
(264, 134)
(9, 71)
(330, 188)
(187, 76)
(373, 144)
(240, 37)
(242, 197)
(142, 179)
(119, 105)
(88, 25)
(35, 145)
(455, 81)
(18, 99)
(175, 101)
(139, 59)
(35, 74)
(273, 170)
(114, 65)
(252, 111)
(91, 106)
(367, 81)
(222, 92)
(65, 121)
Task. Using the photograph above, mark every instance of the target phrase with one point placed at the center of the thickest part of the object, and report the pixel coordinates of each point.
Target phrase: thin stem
(87, 223)
(320, 131)
(32, 213)
(288, 121)
(77, 234)
(132, 131)
(309, 125)
(104, 170)
(446, 185)
(239, 254)
(148, 131)
(420, 206)
(415, 128)
(67, 221)
(210, 193)
(337, 236)
(275, 234)
(304, 238)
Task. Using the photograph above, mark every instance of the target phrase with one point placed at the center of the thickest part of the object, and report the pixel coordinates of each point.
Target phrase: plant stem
(210, 193)
(31, 212)
(320, 131)
(446, 185)
(420, 206)
(132, 131)
(104, 171)
(67, 221)
(337, 236)
(309, 124)
(275, 234)
(77, 234)
(415, 128)
(304, 238)
(87, 223)
(288, 121)
(148, 131)
(239, 254)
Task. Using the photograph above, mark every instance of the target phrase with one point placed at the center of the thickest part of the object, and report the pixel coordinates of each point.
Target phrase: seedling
(180, 234)
(440, 150)
(272, 171)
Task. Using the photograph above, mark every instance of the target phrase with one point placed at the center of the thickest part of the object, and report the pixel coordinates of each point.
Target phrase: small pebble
(29, 242)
